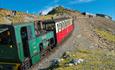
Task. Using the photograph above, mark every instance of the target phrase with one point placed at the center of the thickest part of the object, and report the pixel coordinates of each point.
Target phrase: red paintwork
(64, 33)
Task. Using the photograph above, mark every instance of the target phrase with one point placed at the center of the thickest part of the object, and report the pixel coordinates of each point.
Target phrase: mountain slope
(9, 16)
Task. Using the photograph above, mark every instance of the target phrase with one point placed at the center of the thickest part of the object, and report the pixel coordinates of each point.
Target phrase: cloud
(44, 12)
(47, 9)
(80, 1)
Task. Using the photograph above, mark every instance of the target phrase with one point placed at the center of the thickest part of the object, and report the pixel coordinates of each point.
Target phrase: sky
(35, 6)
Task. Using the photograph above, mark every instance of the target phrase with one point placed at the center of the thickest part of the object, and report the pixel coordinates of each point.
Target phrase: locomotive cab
(23, 44)
(8, 49)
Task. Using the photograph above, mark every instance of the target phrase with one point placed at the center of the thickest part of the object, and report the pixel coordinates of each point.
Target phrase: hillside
(9, 16)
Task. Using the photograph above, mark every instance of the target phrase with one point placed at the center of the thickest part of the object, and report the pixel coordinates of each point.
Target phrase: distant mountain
(61, 10)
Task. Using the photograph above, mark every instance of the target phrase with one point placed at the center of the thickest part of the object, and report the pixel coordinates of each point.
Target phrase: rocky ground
(85, 37)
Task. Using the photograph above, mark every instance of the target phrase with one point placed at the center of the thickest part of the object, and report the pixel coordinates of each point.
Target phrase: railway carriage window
(43, 26)
(36, 28)
(59, 27)
(5, 37)
(62, 25)
(66, 23)
(69, 21)
(50, 26)
(39, 26)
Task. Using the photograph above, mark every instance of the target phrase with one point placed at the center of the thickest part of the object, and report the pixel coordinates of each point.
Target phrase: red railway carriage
(62, 27)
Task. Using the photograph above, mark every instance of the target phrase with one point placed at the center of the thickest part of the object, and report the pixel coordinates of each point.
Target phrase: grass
(1, 19)
(46, 17)
(96, 59)
(106, 35)
(19, 17)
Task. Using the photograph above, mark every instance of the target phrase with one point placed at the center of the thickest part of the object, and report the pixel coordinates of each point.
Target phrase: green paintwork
(36, 44)
(18, 38)
(34, 41)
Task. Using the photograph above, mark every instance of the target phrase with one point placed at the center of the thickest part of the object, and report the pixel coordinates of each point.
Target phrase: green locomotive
(23, 44)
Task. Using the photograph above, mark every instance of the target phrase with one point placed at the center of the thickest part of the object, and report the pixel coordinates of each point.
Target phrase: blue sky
(35, 6)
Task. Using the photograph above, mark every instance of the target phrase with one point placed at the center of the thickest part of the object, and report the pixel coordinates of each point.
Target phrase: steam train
(25, 44)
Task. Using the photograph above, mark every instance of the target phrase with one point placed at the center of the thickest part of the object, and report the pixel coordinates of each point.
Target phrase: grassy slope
(46, 17)
(7, 15)
(93, 59)
(106, 35)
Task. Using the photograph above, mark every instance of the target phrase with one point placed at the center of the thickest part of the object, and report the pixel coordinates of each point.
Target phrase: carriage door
(24, 37)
